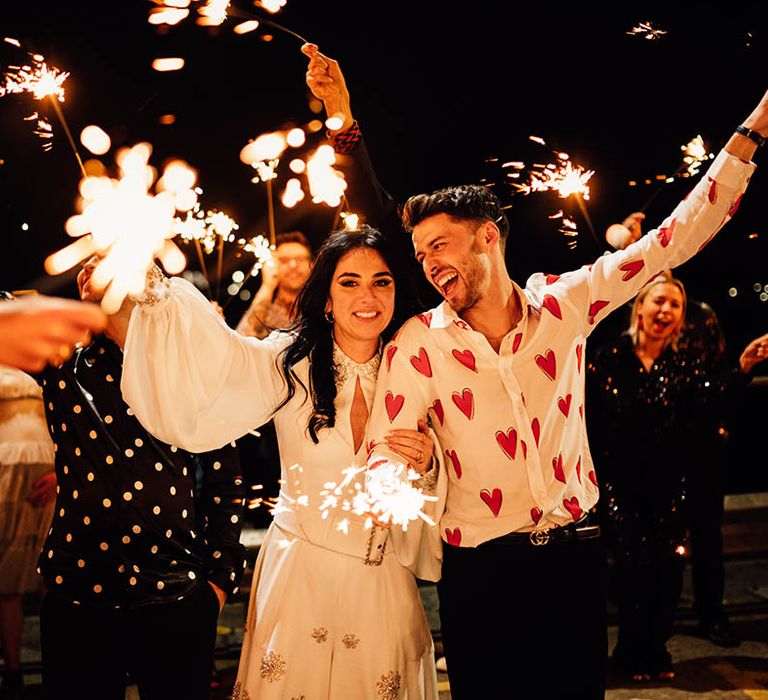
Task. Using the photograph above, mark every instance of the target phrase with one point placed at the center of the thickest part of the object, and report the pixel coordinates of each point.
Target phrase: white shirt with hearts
(511, 424)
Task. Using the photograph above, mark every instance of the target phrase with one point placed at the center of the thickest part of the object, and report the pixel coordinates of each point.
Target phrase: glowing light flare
(646, 30)
(272, 6)
(325, 183)
(95, 139)
(264, 148)
(296, 137)
(9, 40)
(351, 220)
(297, 165)
(292, 194)
(390, 496)
(563, 177)
(128, 225)
(259, 247)
(694, 154)
(334, 123)
(245, 27)
(165, 65)
(167, 15)
(209, 228)
(38, 79)
(213, 13)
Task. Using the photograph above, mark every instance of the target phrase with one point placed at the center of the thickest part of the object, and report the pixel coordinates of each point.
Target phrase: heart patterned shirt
(511, 424)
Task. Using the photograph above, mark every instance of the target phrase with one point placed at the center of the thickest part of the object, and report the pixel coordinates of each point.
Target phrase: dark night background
(438, 88)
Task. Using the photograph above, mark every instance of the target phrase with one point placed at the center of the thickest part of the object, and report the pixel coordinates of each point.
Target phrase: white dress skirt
(322, 623)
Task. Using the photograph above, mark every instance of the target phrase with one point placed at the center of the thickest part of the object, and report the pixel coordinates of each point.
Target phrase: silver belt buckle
(539, 538)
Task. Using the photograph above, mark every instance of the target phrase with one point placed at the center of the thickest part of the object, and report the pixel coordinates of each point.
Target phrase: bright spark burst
(40, 81)
(272, 5)
(213, 12)
(390, 496)
(647, 31)
(695, 153)
(128, 225)
(259, 247)
(293, 193)
(37, 79)
(325, 183)
(351, 220)
(208, 227)
(561, 177)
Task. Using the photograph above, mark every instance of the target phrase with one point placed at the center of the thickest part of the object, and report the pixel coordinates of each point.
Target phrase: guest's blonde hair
(634, 319)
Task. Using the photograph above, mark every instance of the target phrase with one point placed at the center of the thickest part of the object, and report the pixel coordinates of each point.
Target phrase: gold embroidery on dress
(350, 641)
(320, 634)
(388, 687)
(273, 667)
(239, 693)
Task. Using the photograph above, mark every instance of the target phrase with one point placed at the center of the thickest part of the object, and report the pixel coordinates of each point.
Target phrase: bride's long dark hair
(314, 334)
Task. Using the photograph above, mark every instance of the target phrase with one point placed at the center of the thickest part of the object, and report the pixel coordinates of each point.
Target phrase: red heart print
(516, 342)
(551, 304)
(421, 363)
(461, 324)
(466, 358)
(551, 279)
(453, 536)
(595, 308)
(508, 442)
(536, 514)
(579, 355)
(524, 448)
(391, 350)
(631, 268)
(465, 402)
(712, 191)
(592, 476)
(393, 404)
(451, 454)
(371, 445)
(426, 318)
(536, 429)
(548, 364)
(557, 465)
(573, 507)
(492, 500)
(735, 206)
(578, 469)
(437, 407)
(665, 233)
(564, 404)
(394, 337)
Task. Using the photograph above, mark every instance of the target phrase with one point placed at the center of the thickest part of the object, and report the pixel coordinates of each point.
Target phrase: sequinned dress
(321, 624)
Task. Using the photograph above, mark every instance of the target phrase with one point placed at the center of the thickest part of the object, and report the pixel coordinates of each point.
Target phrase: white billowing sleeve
(190, 379)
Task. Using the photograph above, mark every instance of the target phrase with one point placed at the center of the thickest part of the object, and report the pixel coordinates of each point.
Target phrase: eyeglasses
(296, 259)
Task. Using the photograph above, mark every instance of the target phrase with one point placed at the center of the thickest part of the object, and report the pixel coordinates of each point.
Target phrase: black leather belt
(581, 530)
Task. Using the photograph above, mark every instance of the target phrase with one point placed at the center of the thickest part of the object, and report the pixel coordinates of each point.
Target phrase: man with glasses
(281, 283)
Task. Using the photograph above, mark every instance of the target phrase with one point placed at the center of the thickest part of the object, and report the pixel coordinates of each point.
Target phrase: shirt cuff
(729, 170)
(344, 142)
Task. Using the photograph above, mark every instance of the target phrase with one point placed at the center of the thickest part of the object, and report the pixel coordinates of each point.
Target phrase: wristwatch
(752, 135)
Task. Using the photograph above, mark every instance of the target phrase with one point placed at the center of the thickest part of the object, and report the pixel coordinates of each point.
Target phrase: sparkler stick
(270, 213)
(585, 214)
(68, 133)
(219, 266)
(203, 266)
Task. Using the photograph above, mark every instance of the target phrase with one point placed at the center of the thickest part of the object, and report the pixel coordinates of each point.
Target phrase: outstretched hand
(326, 81)
(755, 352)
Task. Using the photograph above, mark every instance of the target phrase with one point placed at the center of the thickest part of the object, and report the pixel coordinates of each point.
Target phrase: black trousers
(166, 649)
(520, 621)
(704, 509)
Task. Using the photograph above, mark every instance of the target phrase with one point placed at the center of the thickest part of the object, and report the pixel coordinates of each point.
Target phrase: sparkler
(694, 154)
(647, 31)
(127, 225)
(40, 81)
(208, 230)
(562, 177)
(325, 183)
